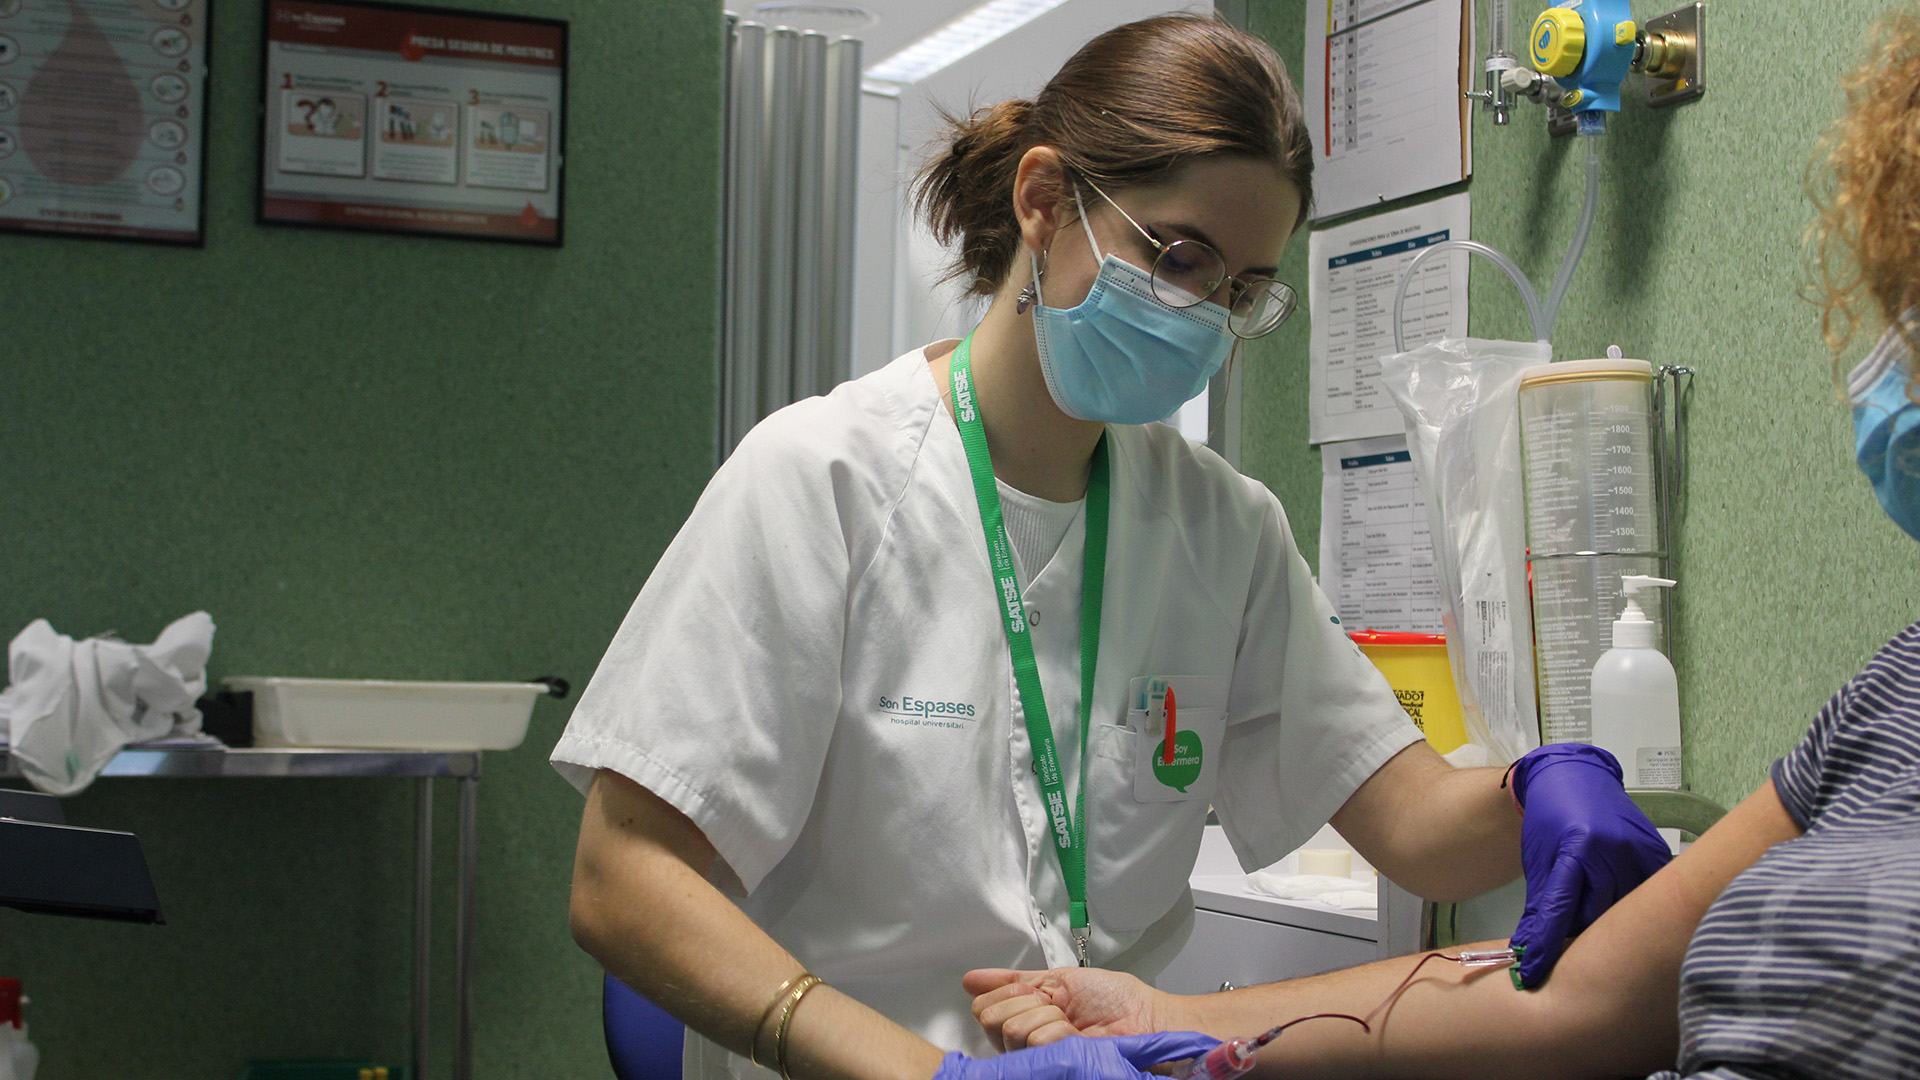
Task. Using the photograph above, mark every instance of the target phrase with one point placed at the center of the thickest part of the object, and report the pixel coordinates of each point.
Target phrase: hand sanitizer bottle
(1636, 699)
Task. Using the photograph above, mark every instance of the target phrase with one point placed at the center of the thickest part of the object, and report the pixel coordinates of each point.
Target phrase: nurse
(946, 668)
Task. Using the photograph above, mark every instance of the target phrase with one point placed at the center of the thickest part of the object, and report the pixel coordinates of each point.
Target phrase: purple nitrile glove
(1079, 1058)
(1583, 844)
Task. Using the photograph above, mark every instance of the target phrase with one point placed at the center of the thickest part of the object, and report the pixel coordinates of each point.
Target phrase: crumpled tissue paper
(1346, 893)
(71, 705)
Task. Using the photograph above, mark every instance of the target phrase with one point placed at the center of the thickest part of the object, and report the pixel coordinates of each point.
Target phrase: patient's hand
(1032, 1008)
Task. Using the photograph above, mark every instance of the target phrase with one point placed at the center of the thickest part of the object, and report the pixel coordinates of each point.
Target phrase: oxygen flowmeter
(1588, 47)
(1582, 50)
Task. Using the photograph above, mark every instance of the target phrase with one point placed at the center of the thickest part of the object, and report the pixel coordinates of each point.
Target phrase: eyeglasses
(1187, 272)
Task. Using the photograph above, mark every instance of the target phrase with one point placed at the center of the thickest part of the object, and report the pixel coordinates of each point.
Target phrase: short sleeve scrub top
(816, 673)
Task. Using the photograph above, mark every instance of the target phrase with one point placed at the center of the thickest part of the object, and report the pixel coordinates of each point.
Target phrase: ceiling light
(981, 26)
(826, 18)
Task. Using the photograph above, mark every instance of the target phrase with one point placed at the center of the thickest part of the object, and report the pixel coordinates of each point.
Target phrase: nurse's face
(1241, 207)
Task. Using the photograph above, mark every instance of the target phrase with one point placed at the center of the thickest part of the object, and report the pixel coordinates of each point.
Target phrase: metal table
(424, 767)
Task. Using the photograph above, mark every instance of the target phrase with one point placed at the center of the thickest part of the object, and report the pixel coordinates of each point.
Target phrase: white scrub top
(816, 673)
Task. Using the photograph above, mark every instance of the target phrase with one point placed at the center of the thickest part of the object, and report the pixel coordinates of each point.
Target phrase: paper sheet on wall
(1384, 94)
(1376, 548)
(1353, 271)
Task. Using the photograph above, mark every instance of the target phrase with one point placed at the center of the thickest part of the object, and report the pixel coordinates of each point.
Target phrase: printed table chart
(1380, 572)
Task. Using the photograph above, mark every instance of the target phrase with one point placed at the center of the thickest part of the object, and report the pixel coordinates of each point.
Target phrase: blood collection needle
(1475, 958)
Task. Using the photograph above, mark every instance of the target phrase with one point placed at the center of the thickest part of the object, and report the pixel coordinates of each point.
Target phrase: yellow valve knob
(1559, 42)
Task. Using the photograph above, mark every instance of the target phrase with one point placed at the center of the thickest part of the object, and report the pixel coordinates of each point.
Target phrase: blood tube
(1227, 1061)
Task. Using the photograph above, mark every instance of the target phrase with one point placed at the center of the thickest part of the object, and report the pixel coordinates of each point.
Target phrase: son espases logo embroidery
(910, 711)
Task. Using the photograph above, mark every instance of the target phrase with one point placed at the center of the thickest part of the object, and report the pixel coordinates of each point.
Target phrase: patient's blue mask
(1886, 429)
(1120, 356)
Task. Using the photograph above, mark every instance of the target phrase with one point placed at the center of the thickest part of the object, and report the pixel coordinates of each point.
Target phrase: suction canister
(1587, 451)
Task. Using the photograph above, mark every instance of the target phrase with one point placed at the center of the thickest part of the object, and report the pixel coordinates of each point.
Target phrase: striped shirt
(1808, 965)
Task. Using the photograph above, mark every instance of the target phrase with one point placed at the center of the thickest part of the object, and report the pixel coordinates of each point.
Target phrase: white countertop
(1220, 885)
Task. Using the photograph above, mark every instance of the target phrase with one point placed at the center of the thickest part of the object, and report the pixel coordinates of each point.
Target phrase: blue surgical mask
(1886, 429)
(1121, 356)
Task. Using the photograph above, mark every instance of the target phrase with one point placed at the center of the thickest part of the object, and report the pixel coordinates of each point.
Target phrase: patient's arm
(1610, 1008)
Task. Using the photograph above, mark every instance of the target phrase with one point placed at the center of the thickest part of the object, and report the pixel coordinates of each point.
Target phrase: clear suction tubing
(1540, 317)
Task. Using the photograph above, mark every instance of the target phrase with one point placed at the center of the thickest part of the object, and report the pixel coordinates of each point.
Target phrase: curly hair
(1865, 244)
(1133, 104)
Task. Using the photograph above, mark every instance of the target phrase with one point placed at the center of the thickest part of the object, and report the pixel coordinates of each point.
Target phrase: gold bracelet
(786, 1018)
(753, 1040)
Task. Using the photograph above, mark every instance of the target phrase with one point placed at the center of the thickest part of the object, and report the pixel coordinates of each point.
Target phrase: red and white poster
(102, 117)
(413, 119)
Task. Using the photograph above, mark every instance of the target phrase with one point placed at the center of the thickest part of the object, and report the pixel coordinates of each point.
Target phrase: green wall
(374, 456)
(1790, 575)
(366, 456)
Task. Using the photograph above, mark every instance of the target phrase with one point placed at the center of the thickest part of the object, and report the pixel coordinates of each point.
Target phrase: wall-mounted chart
(102, 117)
(1383, 91)
(413, 119)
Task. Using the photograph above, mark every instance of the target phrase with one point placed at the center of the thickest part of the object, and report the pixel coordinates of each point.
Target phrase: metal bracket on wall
(1674, 56)
(1672, 400)
(1560, 122)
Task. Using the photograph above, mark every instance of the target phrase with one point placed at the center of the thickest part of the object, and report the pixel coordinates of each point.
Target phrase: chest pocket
(1141, 851)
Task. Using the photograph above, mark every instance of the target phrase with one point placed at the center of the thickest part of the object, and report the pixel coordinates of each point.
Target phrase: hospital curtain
(792, 116)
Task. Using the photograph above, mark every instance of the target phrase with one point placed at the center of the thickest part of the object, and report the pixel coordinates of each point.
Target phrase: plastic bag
(1459, 397)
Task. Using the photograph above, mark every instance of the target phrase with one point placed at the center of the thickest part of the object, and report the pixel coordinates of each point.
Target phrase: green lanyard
(1069, 828)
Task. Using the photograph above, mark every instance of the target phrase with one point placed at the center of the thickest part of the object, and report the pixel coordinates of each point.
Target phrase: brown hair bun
(1133, 104)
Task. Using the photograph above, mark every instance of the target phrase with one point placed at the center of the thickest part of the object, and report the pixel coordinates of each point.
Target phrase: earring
(1030, 295)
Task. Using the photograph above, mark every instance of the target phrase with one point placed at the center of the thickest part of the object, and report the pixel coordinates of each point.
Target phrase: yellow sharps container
(1416, 667)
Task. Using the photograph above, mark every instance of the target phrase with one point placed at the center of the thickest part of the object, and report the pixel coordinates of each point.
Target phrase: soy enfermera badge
(1171, 757)
(1181, 768)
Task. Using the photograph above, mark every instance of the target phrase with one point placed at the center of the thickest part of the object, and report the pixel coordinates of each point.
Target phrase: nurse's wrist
(765, 1044)
(833, 1037)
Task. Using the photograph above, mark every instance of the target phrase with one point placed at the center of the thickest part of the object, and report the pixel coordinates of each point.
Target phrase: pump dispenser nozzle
(1633, 630)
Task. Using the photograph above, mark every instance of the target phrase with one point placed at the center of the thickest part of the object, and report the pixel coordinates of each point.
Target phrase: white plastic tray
(389, 715)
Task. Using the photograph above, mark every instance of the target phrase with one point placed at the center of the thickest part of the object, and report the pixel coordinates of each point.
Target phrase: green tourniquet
(1069, 828)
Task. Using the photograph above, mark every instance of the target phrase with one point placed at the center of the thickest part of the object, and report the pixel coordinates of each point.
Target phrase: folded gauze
(71, 705)
(1337, 892)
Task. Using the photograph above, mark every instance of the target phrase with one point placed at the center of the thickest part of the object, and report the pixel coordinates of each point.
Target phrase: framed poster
(103, 109)
(411, 119)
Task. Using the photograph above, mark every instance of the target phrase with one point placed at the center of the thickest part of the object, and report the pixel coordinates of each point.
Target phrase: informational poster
(103, 117)
(1353, 274)
(1384, 90)
(413, 119)
(1376, 546)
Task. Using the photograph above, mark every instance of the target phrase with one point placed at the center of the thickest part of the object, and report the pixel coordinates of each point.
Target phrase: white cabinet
(1235, 950)
(1241, 937)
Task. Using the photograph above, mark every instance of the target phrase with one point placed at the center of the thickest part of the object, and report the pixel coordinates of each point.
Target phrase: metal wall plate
(1686, 26)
